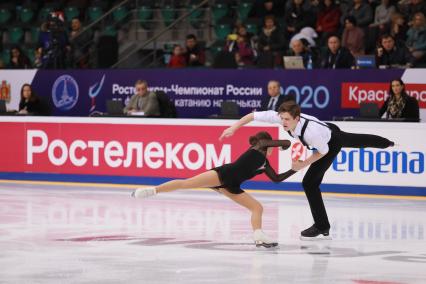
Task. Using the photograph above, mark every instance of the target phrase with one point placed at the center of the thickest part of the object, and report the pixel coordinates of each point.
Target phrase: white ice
(55, 233)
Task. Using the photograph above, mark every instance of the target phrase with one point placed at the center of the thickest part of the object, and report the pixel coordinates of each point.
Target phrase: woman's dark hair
(33, 96)
(351, 19)
(403, 92)
(262, 135)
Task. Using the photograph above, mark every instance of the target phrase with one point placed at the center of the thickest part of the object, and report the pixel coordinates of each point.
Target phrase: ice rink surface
(81, 233)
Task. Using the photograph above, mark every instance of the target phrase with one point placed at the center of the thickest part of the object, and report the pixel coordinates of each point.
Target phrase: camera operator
(54, 42)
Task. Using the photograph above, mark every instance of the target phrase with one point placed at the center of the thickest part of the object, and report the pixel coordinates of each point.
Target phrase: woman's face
(269, 24)
(397, 87)
(327, 3)
(26, 92)
(15, 52)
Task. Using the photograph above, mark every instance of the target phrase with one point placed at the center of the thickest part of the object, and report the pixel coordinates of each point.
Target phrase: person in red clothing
(177, 60)
(328, 19)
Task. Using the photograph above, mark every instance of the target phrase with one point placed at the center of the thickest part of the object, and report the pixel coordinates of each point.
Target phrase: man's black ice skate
(313, 233)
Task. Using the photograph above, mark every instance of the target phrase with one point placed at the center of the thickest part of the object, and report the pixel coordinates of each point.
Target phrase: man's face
(75, 25)
(297, 46)
(190, 43)
(388, 43)
(288, 122)
(141, 89)
(333, 44)
(273, 89)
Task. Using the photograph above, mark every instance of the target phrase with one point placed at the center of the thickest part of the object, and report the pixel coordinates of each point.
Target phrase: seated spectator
(271, 41)
(274, 98)
(362, 13)
(397, 28)
(389, 54)
(336, 56)
(251, 38)
(353, 37)
(30, 103)
(18, 60)
(297, 17)
(300, 47)
(177, 60)
(38, 58)
(263, 8)
(328, 19)
(399, 104)
(410, 8)
(416, 38)
(195, 55)
(382, 17)
(79, 44)
(240, 47)
(143, 102)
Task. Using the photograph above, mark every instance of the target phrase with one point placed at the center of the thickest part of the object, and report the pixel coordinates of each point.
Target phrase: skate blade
(266, 245)
(317, 238)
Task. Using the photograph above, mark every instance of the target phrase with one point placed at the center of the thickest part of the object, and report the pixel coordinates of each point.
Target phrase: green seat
(120, 14)
(222, 30)
(94, 13)
(44, 13)
(26, 15)
(219, 11)
(35, 33)
(110, 30)
(169, 14)
(195, 18)
(217, 46)
(145, 15)
(30, 53)
(16, 35)
(5, 16)
(5, 56)
(252, 25)
(243, 9)
(71, 12)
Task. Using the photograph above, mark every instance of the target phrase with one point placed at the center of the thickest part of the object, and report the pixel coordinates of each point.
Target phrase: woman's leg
(206, 179)
(247, 201)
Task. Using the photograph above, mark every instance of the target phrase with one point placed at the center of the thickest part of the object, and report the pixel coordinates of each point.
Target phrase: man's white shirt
(317, 135)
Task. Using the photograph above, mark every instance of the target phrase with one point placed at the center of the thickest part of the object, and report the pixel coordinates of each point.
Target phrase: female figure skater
(227, 180)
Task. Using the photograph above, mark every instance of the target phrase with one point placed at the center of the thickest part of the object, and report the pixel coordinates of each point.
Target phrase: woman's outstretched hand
(228, 132)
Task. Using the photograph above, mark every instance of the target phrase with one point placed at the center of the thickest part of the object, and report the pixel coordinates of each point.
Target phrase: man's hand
(228, 132)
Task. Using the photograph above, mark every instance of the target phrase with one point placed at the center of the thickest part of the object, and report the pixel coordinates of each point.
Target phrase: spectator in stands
(411, 7)
(195, 55)
(274, 98)
(336, 56)
(399, 104)
(241, 29)
(30, 103)
(362, 13)
(328, 19)
(80, 44)
(389, 54)
(38, 58)
(382, 17)
(143, 102)
(271, 43)
(263, 8)
(353, 37)
(398, 28)
(416, 38)
(297, 17)
(240, 47)
(300, 47)
(177, 60)
(18, 60)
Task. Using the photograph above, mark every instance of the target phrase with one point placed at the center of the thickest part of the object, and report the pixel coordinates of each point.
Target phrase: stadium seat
(16, 35)
(169, 14)
(120, 14)
(195, 18)
(5, 56)
(243, 9)
(219, 10)
(110, 30)
(71, 12)
(5, 16)
(217, 47)
(94, 13)
(145, 15)
(252, 25)
(223, 28)
(26, 15)
(44, 13)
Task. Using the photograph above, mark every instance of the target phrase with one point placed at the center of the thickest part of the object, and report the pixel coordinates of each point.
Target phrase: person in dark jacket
(336, 56)
(389, 54)
(30, 103)
(399, 104)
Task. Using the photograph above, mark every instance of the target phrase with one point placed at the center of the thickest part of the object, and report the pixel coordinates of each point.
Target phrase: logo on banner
(94, 91)
(297, 151)
(5, 91)
(65, 92)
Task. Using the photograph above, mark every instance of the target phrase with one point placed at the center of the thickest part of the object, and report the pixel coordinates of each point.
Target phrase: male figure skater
(326, 140)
